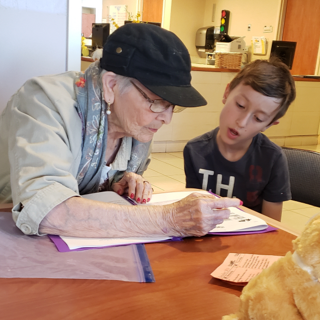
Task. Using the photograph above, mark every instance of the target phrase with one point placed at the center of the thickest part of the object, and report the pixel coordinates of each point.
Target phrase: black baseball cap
(157, 58)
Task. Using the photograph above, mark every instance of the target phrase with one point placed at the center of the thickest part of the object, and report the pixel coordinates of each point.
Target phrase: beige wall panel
(186, 19)
(305, 123)
(165, 132)
(308, 96)
(205, 77)
(282, 129)
(213, 93)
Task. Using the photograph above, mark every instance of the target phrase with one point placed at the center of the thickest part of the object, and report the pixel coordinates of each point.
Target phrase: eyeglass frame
(175, 109)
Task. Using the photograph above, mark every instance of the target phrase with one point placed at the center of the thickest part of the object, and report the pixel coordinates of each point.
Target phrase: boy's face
(245, 114)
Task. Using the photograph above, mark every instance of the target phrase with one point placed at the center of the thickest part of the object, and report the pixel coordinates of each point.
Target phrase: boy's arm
(272, 209)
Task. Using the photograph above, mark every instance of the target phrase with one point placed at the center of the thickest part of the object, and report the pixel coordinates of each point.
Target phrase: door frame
(317, 71)
(282, 16)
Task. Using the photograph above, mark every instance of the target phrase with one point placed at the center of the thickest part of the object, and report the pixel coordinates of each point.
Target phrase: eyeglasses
(158, 105)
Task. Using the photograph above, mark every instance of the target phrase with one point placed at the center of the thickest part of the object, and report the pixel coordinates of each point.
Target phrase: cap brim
(185, 96)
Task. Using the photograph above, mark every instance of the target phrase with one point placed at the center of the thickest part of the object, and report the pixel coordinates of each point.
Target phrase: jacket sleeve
(44, 148)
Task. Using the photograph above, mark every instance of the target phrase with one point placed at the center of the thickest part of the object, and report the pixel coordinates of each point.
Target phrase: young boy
(236, 159)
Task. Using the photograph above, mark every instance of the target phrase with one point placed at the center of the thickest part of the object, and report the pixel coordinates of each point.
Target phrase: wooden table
(183, 289)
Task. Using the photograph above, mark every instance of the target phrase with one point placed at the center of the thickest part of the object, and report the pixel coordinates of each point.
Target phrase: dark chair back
(304, 170)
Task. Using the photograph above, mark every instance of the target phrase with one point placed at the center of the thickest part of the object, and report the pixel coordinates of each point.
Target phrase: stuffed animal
(290, 287)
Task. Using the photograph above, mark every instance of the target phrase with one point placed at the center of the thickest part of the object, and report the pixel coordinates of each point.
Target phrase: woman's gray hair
(123, 82)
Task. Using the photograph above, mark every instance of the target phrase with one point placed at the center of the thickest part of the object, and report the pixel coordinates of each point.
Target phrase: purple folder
(63, 247)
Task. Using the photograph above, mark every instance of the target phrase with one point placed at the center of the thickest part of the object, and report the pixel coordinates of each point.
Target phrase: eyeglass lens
(158, 105)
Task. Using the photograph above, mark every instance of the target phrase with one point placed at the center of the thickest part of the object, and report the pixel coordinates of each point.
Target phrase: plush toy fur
(289, 288)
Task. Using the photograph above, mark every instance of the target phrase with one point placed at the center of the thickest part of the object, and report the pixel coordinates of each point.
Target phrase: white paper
(240, 221)
(107, 196)
(241, 268)
(119, 14)
(75, 243)
(258, 45)
(167, 198)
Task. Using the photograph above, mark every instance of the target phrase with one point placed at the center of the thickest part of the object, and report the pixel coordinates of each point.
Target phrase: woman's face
(131, 113)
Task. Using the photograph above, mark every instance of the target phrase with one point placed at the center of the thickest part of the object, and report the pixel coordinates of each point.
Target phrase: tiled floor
(166, 173)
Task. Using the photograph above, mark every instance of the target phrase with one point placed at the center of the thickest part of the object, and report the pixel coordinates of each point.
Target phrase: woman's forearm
(81, 217)
(194, 215)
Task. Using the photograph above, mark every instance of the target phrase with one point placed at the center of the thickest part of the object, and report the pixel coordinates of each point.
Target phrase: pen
(213, 193)
(132, 201)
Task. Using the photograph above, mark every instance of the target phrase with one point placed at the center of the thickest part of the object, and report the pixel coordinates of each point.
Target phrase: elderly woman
(72, 134)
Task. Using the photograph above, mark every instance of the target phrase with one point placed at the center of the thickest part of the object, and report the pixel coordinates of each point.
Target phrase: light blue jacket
(40, 143)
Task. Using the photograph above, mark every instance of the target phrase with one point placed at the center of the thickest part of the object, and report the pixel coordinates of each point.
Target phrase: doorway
(152, 10)
(302, 25)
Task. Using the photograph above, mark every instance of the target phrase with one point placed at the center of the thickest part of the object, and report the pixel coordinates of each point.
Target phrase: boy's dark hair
(271, 78)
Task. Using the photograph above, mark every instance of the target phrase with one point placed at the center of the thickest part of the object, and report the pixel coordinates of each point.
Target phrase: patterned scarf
(91, 109)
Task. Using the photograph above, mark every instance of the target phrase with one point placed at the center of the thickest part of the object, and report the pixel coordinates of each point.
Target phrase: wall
(34, 42)
(189, 15)
(74, 35)
(256, 13)
(186, 18)
(300, 125)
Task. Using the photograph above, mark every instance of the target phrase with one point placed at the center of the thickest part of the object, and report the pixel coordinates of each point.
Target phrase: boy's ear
(270, 125)
(226, 93)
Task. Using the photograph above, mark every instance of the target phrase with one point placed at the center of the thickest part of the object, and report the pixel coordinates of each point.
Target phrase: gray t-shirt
(261, 174)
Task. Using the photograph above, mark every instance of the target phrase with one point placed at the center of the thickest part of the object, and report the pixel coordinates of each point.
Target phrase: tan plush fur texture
(285, 290)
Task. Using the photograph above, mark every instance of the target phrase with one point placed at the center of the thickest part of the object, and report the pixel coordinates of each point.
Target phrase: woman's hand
(135, 185)
(197, 214)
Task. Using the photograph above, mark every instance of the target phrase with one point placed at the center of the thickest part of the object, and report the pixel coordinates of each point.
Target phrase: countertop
(89, 59)
(210, 68)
